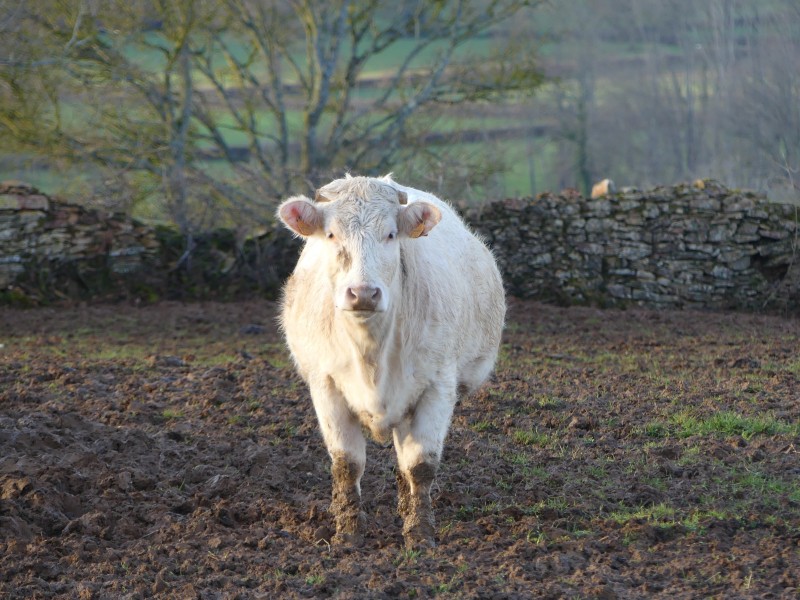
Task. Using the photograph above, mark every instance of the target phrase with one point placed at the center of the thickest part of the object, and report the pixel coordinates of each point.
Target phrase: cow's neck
(369, 339)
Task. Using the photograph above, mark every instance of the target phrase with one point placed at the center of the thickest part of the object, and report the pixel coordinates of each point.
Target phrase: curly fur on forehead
(359, 189)
(360, 204)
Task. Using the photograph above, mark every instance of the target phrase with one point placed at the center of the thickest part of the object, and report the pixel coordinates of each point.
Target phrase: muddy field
(169, 451)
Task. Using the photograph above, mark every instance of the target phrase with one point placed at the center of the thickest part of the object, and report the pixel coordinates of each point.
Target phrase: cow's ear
(418, 218)
(300, 215)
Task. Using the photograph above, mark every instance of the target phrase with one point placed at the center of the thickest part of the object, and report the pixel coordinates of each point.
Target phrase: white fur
(437, 327)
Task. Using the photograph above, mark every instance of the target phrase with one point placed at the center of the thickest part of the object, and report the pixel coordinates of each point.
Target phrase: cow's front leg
(346, 500)
(348, 451)
(419, 442)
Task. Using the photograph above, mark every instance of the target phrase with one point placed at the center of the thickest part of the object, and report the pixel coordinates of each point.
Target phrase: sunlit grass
(532, 438)
(730, 423)
(686, 424)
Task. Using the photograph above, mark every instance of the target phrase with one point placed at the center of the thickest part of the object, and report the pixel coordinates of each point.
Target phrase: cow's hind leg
(403, 494)
(419, 525)
(419, 443)
(348, 451)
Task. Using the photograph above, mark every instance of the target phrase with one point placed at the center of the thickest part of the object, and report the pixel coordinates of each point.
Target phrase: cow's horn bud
(318, 197)
(402, 197)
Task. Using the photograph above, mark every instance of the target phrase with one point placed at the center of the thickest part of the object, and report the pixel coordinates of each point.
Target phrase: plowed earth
(170, 451)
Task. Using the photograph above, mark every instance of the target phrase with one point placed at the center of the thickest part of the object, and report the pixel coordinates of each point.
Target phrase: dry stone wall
(51, 250)
(40, 235)
(698, 245)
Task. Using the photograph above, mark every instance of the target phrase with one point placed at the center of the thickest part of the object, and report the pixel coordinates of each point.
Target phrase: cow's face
(357, 225)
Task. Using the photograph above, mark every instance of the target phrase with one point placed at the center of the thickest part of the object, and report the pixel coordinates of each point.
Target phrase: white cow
(393, 308)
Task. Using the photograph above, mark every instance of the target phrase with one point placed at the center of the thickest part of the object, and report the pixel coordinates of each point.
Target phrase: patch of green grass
(596, 472)
(548, 401)
(637, 465)
(690, 455)
(731, 423)
(480, 426)
(760, 491)
(655, 482)
(532, 437)
(280, 432)
(455, 580)
(656, 430)
(665, 516)
(171, 414)
(536, 538)
(503, 484)
(728, 423)
(794, 492)
(518, 458)
(407, 555)
(658, 513)
(694, 522)
(794, 367)
(138, 353)
(215, 360)
(557, 503)
(314, 579)
(535, 473)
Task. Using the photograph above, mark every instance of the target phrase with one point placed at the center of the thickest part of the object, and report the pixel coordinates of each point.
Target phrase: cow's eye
(330, 235)
(391, 236)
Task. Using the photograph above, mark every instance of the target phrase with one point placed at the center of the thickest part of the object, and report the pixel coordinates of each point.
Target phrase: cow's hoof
(350, 529)
(353, 539)
(419, 535)
(419, 541)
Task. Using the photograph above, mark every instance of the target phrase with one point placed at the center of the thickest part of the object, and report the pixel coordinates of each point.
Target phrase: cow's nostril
(363, 297)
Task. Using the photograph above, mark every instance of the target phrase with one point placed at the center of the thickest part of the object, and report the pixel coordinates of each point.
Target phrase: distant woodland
(657, 91)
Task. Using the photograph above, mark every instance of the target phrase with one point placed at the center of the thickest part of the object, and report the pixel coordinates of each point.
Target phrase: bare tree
(165, 92)
(654, 91)
(574, 96)
(764, 115)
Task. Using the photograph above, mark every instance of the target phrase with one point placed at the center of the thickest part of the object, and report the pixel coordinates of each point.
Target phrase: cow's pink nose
(363, 297)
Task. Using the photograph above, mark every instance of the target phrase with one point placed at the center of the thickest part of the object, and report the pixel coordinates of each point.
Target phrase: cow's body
(392, 308)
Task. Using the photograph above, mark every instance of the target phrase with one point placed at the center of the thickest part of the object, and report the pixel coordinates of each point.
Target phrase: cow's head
(356, 226)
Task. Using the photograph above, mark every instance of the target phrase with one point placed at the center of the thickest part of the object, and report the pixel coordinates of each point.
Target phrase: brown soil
(170, 451)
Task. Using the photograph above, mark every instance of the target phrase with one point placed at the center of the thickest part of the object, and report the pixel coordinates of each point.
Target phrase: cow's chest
(380, 393)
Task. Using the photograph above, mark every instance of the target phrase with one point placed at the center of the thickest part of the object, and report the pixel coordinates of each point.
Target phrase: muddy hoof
(350, 530)
(416, 541)
(354, 539)
(419, 536)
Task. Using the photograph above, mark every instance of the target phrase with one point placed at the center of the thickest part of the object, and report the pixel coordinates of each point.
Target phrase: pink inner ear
(300, 216)
(294, 212)
(419, 218)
